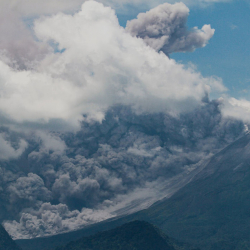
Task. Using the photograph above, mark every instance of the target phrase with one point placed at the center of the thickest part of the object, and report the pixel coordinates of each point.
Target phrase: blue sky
(227, 55)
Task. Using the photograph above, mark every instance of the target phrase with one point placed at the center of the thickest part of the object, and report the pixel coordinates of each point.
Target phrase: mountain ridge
(136, 235)
(210, 212)
(6, 242)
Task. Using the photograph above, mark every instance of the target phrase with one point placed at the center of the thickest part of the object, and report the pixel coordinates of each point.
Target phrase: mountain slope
(212, 212)
(136, 235)
(6, 243)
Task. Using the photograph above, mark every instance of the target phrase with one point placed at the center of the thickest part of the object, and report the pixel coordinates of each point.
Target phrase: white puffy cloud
(102, 66)
(164, 28)
(236, 108)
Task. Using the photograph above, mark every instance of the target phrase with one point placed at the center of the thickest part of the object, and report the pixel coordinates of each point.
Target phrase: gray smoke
(9, 151)
(164, 28)
(64, 181)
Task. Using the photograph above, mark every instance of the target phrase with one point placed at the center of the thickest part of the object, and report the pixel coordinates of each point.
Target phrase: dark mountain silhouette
(136, 235)
(6, 242)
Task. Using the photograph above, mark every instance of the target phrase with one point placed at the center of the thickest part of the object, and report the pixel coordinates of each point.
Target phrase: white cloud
(102, 65)
(16, 38)
(234, 108)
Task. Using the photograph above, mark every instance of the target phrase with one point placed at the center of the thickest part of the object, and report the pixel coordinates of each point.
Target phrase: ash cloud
(164, 29)
(28, 189)
(53, 218)
(116, 167)
(8, 151)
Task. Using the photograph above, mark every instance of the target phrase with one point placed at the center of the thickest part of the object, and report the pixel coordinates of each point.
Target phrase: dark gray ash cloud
(164, 28)
(9, 151)
(64, 181)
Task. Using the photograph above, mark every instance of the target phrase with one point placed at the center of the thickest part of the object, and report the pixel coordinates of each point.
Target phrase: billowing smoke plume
(64, 181)
(164, 28)
(145, 123)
